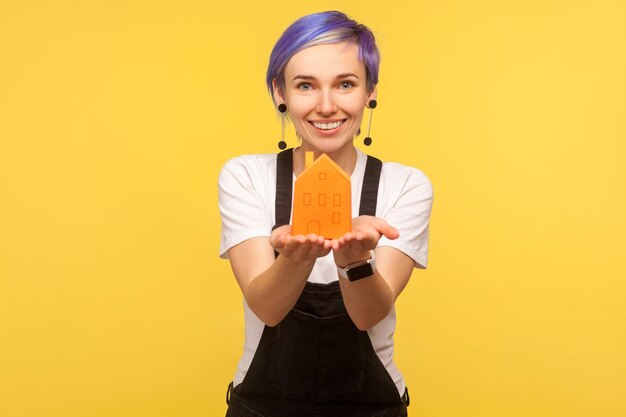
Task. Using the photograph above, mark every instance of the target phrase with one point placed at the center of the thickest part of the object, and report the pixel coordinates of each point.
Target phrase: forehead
(327, 60)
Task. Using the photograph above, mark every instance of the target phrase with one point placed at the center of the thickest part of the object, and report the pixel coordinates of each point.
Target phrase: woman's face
(325, 93)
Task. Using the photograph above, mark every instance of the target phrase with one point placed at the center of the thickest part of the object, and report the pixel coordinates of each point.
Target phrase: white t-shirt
(247, 194)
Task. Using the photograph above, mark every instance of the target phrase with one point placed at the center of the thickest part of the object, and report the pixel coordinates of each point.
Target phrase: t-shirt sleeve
(244, 209)
(410, 214)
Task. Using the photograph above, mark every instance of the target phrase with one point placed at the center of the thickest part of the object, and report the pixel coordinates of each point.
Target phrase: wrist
(345, 261)
(359, 269)
(295, 263)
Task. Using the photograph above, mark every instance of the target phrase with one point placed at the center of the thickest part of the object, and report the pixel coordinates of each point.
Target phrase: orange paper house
(322, 199)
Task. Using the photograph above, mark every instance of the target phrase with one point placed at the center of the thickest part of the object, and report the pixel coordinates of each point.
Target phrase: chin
(331, 146)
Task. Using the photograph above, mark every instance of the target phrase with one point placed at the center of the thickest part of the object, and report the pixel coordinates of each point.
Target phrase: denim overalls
(315, 362)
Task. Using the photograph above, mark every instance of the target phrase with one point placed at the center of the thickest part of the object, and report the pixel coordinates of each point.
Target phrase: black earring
(282, 108)
(368, 139)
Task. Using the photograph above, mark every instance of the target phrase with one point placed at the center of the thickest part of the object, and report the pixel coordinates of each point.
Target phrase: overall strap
(369, 192)
(284, 187)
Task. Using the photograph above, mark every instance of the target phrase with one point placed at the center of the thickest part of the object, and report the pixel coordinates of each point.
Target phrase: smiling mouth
(327, 125)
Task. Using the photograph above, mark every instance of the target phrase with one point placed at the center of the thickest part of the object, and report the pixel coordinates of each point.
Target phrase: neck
(345, 158)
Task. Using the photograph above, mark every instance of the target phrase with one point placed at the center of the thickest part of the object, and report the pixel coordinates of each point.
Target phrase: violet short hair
(321, 28)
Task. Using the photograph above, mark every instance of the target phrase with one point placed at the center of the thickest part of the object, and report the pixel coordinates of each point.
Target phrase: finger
(277, 242)
(348, 237)
(370, 235)
(293, 242)
(313, 238)
(385, 229)
(299, 239)
(278, 236)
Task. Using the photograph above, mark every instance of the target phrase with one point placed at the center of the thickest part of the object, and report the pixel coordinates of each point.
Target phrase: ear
(373, 94)
(277, 91)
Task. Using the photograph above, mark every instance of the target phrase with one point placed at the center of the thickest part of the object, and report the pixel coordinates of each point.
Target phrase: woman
(319, 313)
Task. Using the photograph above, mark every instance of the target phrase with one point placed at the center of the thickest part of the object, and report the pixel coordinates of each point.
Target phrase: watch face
(361, 271)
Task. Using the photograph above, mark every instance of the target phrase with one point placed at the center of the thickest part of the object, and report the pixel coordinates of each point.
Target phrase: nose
(326, 104)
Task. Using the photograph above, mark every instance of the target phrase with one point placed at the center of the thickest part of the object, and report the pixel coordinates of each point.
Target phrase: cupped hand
(299, 247)
(355, 245)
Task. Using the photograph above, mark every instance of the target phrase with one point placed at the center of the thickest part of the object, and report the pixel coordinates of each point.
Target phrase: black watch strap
(360, 272)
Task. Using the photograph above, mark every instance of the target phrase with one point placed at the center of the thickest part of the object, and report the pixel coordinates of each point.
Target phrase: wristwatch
(358, 270)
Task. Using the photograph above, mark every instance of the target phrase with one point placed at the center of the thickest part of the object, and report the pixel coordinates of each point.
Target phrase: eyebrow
(310, 77)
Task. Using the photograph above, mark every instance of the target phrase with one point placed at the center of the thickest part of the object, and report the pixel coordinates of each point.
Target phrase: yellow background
(116, 116)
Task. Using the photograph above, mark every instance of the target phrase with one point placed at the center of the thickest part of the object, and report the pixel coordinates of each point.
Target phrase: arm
(370, 300)
(271, 286)
(406, 204)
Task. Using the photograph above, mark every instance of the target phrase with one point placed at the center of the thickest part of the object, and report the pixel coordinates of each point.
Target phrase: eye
(305, 86)
(345, 85)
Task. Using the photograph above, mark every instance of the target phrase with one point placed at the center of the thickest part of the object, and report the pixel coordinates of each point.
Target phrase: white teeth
(328, 126)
